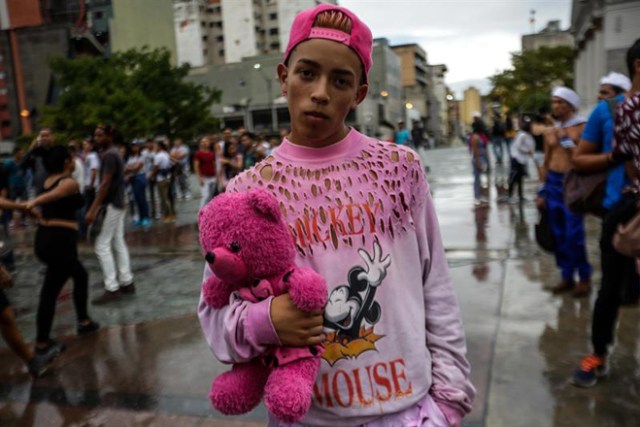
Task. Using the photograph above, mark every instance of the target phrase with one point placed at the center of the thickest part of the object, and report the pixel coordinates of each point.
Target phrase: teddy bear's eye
(234, 247)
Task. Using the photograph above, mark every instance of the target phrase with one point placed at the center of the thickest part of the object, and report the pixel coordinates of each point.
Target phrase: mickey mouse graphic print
(360, 214)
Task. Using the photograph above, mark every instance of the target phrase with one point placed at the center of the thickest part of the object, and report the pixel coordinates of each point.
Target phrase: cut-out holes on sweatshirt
(326, 207)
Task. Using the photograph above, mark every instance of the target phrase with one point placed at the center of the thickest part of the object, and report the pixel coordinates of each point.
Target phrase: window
(221, 52)
(205, 52)
(275, 45)
(273, 31)
(211, 24)
(273, 16)
(205, 38)
(220, 39)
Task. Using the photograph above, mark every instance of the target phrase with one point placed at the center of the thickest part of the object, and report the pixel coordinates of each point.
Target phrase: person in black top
(56, 245)
(38, 363)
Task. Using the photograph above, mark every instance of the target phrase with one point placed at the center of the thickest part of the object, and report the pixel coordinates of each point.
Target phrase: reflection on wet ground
(149, 365)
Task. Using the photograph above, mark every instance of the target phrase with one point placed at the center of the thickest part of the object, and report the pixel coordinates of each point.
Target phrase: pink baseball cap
(360, 40)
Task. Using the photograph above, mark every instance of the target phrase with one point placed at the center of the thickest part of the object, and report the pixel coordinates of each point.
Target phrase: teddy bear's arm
(307, 289)
(216, 292)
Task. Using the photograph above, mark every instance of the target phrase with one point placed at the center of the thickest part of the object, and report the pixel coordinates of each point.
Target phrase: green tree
(526, 86)
(138, 91)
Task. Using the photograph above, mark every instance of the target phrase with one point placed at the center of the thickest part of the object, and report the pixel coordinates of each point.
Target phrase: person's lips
(316, 116)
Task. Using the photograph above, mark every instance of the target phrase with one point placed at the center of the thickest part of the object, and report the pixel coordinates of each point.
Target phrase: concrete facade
(440, 92)
(383, 106)
(550, 36)
(251, 94)
(603, 33)
(143, 23)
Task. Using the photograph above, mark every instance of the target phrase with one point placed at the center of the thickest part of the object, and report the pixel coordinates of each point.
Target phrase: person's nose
(320, 92)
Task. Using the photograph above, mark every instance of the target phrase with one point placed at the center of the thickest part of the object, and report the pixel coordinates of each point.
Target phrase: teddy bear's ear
(265, 204)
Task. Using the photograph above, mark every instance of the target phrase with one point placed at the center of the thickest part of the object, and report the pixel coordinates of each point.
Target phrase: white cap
(568, 95)
(617, 79)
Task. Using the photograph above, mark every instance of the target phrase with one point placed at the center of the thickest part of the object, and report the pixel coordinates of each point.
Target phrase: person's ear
(283, 75)
(361, 94)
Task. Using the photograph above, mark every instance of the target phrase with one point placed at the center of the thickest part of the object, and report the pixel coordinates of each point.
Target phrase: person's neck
(336, 137)
(635, 84)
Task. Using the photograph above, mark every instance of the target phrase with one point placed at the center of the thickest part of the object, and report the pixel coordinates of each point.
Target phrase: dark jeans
(518, 171)
(139, 187)
(617, 271)
(57, 248)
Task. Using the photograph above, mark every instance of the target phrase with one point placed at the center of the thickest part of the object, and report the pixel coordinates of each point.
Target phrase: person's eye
(306, 73)
(340, 82)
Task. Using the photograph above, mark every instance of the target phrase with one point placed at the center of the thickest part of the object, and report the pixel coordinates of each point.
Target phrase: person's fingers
(316, 331)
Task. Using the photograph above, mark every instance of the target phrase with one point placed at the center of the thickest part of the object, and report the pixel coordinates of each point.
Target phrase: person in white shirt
(162, 176)
(90, 182)
(522, 149)
(78, 169)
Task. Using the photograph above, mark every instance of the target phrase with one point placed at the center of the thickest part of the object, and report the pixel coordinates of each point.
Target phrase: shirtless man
(567, 227)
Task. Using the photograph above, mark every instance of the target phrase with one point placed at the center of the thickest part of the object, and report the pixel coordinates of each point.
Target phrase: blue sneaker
(145, 223)
(591, 368)
(137, 223)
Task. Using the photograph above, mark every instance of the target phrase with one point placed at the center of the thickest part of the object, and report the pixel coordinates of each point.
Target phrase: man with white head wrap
(612, 85)
(567, 227)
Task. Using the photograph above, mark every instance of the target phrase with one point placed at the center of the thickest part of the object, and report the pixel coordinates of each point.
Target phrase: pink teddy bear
(250, 251)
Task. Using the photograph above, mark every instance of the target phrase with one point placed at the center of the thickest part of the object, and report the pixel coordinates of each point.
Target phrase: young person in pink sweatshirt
(361, 215)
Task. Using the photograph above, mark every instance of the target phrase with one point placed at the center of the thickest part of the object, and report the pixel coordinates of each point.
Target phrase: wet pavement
(150, 366)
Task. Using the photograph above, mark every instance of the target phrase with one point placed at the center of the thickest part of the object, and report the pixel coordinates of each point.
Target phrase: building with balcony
(214, 32)
(415, 78)
(603, 30)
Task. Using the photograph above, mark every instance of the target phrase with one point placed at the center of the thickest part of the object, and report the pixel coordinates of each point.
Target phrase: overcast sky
(472, 37)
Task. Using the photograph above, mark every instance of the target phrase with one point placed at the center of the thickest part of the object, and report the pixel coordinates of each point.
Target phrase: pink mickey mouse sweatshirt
(361, 215)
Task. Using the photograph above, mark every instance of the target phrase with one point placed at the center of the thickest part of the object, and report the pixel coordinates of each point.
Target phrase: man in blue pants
(567, 227)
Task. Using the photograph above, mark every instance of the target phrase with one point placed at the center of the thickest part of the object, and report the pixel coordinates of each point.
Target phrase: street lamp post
(272, 106)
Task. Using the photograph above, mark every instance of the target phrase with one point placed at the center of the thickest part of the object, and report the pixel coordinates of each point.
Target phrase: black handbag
(544, 234)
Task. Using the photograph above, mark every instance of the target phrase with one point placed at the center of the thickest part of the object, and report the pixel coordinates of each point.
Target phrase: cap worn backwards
(360, 40)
